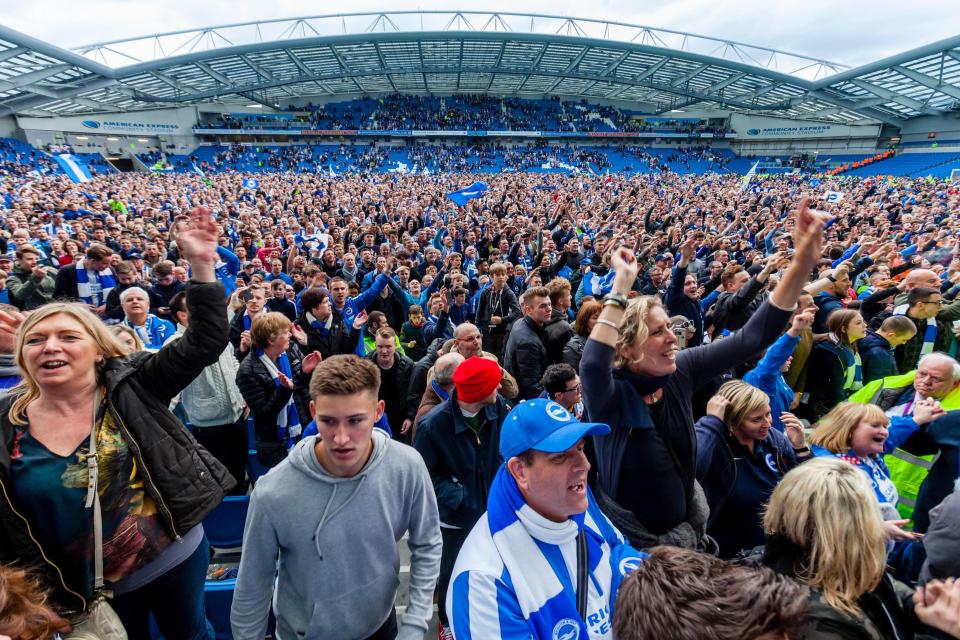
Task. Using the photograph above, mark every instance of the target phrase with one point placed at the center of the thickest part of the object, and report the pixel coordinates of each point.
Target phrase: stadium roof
(442, 52)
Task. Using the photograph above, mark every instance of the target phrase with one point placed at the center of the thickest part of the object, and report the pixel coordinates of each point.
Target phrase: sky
(851, 32)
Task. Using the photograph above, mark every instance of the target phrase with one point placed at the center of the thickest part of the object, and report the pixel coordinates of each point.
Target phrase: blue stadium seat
(218, 595)
(224, 525)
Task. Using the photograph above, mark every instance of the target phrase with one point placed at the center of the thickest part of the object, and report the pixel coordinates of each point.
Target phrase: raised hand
(793, 429)
(298, 333)
(285, 381)
(801, 321)
(310, 362)
(9, 323)
(199, 241)
(937, 604)
(717, 407)
(359, 320)
(626, 267)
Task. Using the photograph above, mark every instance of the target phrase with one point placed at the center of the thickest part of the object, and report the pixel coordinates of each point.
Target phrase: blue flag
(251, 183)
(461, 197)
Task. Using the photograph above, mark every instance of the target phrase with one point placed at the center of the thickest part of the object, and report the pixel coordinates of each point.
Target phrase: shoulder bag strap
(583, 572)
(93, 497)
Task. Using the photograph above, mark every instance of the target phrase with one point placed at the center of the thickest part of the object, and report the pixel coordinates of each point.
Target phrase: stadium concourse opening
(477, 324)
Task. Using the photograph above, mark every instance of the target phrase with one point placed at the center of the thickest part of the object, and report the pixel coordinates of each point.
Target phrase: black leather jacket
(185, 481)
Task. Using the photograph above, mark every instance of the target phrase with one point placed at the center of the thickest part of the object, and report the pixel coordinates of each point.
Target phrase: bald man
(918, 278)
(439, 388)
(468, 341)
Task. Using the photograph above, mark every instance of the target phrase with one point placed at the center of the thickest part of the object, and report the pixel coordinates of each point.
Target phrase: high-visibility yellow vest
(907, 471)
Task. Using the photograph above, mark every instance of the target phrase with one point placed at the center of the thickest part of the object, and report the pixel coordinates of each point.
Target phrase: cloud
(855, 32)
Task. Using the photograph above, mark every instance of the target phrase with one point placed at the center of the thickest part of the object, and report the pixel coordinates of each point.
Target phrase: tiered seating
(911, 164)
(21, 158)
(457, 112)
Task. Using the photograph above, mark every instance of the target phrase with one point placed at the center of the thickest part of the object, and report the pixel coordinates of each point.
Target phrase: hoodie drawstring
(325, 517)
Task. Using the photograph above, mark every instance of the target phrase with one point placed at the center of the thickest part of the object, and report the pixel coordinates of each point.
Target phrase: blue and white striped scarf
(288, 422)
(85, 292)
(153, 333)
(541, 582)
(929, 335)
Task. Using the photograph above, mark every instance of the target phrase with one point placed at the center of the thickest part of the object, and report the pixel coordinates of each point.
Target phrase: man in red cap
(459, 441)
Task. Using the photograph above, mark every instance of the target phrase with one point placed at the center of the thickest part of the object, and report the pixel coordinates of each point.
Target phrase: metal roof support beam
(23, 103)
(616, 63)
(864, 107)
(167, 80)
(684, 79)
(723, 84)
(17, 82)
(679, 91)
(652, 69)
(213, 73)
(892, 96)
(577, 59)
(13, 52)
(304, 69)
(260, 71)
(927, 81)
(761, 91)
(386, 72)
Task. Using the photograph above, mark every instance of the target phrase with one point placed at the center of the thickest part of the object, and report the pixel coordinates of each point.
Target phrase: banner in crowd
(462, 196)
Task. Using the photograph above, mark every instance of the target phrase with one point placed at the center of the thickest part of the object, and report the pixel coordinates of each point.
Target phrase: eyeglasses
(936, 302)
(577, 388)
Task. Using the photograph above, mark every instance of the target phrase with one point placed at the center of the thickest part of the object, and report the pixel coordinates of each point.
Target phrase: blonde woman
(155, 484)
(860, 435)
(128, 337)
(740, 459)
(823, 529)
(636, 380)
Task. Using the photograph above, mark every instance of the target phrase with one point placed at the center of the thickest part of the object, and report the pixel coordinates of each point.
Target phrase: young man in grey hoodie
(333, 512)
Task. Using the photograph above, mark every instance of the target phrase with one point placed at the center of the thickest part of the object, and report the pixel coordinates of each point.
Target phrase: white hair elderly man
(153, 331)
(924, 468)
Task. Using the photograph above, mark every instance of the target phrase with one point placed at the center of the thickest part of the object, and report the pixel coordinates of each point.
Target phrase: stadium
(477, 324)
(407, 80)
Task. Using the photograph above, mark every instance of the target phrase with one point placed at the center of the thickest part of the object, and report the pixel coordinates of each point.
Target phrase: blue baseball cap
(543, 425)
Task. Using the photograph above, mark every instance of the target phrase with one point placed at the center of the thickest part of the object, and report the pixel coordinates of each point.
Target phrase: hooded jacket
(338, 572)
(877, 357)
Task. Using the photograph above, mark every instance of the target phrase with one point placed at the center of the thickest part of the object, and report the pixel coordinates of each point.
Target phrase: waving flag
(833, 196)
(461, 197)
(746, 179)
(251, 183)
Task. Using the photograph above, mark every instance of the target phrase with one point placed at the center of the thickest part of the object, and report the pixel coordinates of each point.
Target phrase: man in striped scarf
(88, 280)
(926, 307)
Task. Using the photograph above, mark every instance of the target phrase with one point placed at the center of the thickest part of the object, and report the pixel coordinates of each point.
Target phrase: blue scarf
(85, 292)
(288, 422)
(538, 572)
(443, 395)
(152, 332)
(929, 335)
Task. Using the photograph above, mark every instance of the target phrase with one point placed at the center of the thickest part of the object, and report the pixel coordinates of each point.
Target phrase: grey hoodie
(336, 539)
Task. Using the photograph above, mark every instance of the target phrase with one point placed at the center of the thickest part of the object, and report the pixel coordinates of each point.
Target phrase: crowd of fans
(610, 406)
(459, 112)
